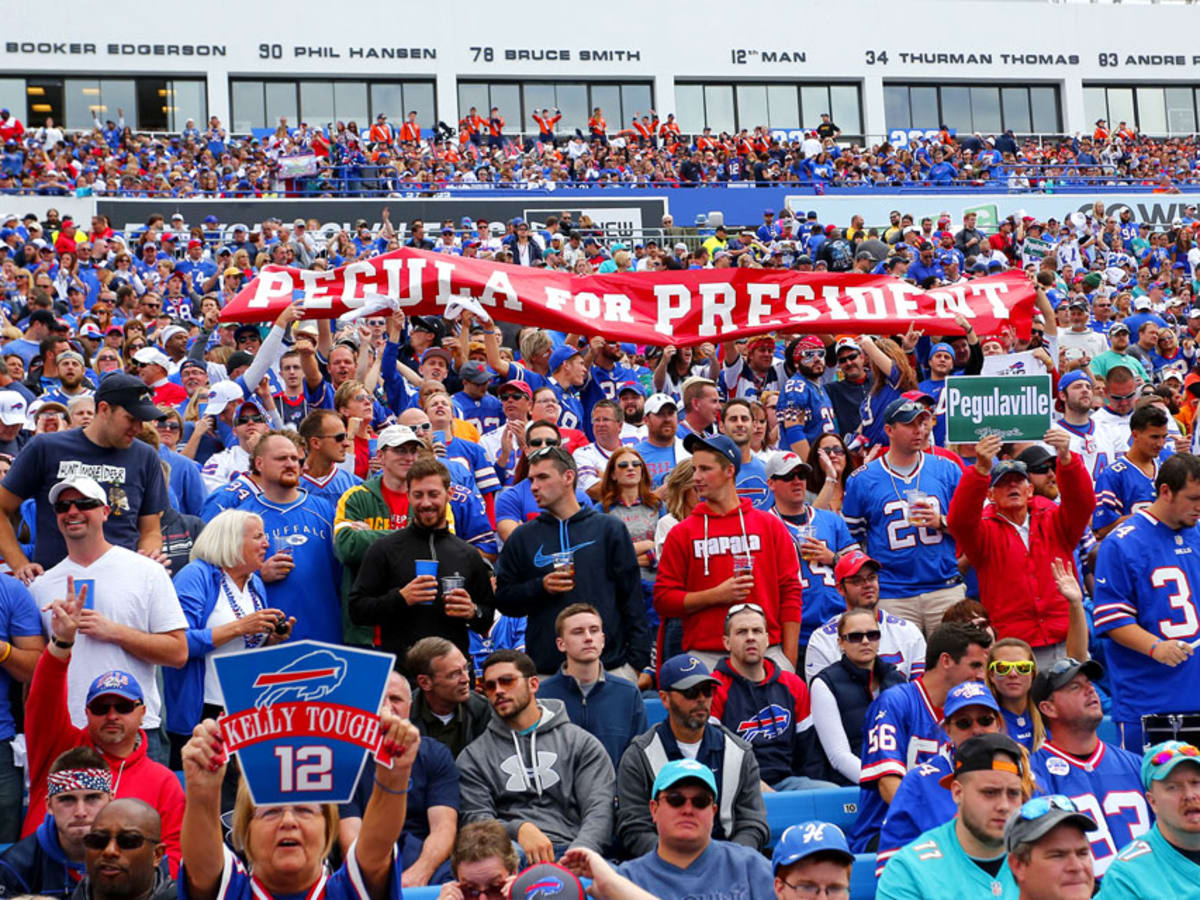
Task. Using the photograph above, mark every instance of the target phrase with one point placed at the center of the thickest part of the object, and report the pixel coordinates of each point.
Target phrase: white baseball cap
(655, 404)
(152, 356)
(86, 485)
(169, 332)
(397, 436)
(220, 395)
(13, 408)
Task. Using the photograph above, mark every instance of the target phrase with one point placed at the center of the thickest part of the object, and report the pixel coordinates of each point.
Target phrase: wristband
(65, 645)
(383, 787)
(1155, 644)
(7, 651)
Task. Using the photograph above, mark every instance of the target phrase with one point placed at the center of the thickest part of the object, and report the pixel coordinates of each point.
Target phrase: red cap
(519, 385)
(192, 244)
(829, 229)
(851, 563)
(919, 397)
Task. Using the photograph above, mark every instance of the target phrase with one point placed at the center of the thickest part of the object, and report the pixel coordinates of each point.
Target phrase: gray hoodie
(568, 792)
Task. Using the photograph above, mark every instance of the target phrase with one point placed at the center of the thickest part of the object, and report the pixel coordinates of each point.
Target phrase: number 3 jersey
(1148, 574)
(1107, 786)
(913, 560)
(902, 729)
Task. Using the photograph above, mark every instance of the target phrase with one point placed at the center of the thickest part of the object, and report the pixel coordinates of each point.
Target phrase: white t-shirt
(131, 590)
(220, 468)
(902, 644)
(222, 614)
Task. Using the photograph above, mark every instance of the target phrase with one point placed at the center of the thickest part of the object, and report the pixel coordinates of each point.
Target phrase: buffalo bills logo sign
(769, 722)
(301, 717)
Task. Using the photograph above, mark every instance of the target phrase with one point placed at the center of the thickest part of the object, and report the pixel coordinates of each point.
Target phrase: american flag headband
(79, 780)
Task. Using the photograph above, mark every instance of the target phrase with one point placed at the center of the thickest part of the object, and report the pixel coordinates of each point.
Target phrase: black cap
(978, 754)
(247, 328)
(236, 360)
(1059, 674)
(1035, 456)
(131, 394)
(426, 323)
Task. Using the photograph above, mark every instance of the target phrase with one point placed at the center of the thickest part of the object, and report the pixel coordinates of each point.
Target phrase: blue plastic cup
(427, 567)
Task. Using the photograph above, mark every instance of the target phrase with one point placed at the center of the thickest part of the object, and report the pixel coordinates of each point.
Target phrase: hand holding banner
(667, 307)
(301, 717)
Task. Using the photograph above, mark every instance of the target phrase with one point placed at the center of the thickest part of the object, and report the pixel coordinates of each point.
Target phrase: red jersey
(546, 126)
(410, 131)
(496, 125)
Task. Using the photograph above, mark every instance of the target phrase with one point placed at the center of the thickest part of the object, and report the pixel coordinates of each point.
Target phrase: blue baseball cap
(969, 693)
(941, 347)
(804, 839)
(678, 770)
(718, 443)
(561, 355)
(1071, 377)
(1162, 758)
(117, 683)
(684, 671)
(903, 410)
(635, 386)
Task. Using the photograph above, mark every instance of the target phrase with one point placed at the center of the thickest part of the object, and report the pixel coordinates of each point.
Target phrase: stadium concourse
(746, 617)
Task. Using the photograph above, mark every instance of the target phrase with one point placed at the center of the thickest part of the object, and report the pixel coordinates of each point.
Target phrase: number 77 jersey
(1148, 574)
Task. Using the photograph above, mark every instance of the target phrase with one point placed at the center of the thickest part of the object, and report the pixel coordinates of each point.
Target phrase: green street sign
(1017, 407)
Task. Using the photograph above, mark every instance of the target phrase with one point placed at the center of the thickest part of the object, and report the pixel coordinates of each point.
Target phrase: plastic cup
(451, 583)
(427, 567)
(804, 532)
(914, 498)
(564, 561)
(743, 565)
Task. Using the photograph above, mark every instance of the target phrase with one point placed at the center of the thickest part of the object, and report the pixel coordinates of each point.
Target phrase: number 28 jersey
(912, 560)
(1148, 574)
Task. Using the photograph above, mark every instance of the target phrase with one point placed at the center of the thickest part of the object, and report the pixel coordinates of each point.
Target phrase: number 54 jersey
(1148, 574)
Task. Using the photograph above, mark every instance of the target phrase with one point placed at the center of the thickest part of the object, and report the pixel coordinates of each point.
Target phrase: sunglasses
(834, 451)
(121, 705)
(83, 504)
(126, 840)
(504, 681)
(1162, 757)
(1004, 667)
(850, 357)
(812, 354)
(339, 437)
(790, 476)
(984, 720)
(471, 892)
(1128, 396)
(424, 426)
(510, 396)
(252, 419)
(168, 426)
(698, 690)
(543, 442)
(1041, 470)
(744, 607)
(628, 464)
(862, 637)
(677, 800)
(1039, 806)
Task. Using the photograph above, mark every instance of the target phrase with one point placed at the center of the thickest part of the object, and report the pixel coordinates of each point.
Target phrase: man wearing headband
(50, 861)
(1165, 862)
(966, 857)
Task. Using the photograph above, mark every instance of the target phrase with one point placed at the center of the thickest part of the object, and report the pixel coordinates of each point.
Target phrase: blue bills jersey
(1106, 786)
(805, 411)
(920, 803)
(1148, 574)
(821, 601)
(912, 560)
(1122, 489)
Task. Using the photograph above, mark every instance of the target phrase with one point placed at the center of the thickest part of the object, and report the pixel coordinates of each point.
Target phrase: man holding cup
(728, 552)
(423, 580)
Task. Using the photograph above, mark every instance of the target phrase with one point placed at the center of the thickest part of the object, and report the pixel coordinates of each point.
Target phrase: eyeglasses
(504, 681)
(83, 504)
(339, 437)
(252, 419)
(790, 476)
(698, 690)
(275, 813)
(861, 579)
(1039, 806)
(678, 799)
(849, 357)
(983, 720)
(629, 464)
(470, 891)
(543, 442)
(1005, 667)
(810, 890)
(168, 426)
(122, 705)
(126, 840)
(862, 637)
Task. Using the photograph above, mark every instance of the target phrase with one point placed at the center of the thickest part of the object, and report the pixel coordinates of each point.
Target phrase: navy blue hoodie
(606, 576)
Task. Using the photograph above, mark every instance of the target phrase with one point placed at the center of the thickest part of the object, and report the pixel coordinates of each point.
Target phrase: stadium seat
(862, 877)
(838, 806)
(655, 711)
(431, 892)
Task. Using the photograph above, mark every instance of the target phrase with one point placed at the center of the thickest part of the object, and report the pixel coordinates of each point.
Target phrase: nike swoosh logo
(541, 560)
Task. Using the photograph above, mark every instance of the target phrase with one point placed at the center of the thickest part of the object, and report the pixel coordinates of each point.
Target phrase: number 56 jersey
(1148, 574)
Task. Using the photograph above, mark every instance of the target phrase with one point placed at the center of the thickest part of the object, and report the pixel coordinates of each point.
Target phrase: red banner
(666, 307)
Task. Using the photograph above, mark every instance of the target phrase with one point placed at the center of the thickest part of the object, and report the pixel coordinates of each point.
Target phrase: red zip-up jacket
(698, 554)
(51, 734)
(1015, 584)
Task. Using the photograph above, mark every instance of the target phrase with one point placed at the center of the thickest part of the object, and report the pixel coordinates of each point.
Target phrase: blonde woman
(1010, 673)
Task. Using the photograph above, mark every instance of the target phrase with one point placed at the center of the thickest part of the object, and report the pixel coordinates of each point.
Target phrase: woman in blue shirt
(1010, 675)
(892, 376)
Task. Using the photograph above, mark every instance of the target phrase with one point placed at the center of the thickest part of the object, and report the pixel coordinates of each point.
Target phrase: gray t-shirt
(724, 869)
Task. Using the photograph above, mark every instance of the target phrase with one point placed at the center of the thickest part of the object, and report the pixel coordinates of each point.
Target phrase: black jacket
(606, 576)
(850, 686)
(390, 564)
(469, 721)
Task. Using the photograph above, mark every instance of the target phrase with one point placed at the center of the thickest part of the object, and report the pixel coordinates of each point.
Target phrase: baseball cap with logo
(1162, 758)
(850, 564)
(1008, 467)
(980, 754)
(1038, 817)
(720, 444)
(969, 693)
(678, 770)
(658, 402)
(561, 355)
(783, 463)
(903, 410)
(85, 484)
(12, 408)
(475, 372)
(684, 671)
(117, 684)
(804, 839)
(129, 393)
(546, 881)
(220, 395)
